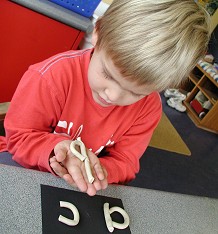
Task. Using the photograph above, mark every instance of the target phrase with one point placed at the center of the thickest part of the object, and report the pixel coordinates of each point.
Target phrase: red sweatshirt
(53, 102)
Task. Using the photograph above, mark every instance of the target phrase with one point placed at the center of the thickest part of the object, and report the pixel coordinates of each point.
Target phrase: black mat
(90, 209)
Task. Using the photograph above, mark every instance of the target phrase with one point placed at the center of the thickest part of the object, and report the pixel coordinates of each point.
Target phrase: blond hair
(154, 42)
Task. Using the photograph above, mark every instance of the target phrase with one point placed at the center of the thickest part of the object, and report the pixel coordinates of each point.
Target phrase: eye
(106, 76)
(135, 95)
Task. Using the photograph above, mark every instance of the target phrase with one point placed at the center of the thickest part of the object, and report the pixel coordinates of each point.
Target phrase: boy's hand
(72, 170)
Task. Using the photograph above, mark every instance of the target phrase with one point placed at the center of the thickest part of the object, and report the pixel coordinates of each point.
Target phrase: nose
(113, 93)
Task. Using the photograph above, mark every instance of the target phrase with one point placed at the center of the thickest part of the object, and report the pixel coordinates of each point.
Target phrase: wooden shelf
(193, 79)
(191, 111)
(213, 97)
(207, 87)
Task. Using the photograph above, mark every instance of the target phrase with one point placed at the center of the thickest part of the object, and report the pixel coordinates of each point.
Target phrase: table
(150, 211)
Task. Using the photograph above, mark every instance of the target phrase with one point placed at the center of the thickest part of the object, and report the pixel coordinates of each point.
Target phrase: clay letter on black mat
(90, 210)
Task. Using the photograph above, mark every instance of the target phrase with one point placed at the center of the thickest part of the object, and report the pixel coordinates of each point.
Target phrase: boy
(107, 95)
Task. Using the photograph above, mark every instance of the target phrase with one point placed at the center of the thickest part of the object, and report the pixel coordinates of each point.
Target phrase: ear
(94, 37)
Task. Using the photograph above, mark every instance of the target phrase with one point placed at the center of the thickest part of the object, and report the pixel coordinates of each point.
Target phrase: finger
(68, 178)
(78, 178)
(58, 169)
(101, 184)
(96, 166)
(61, 150)
(98, 184)
(61, 155)
(99, 171)
(91, 190)
(53, 159)
(104, 184)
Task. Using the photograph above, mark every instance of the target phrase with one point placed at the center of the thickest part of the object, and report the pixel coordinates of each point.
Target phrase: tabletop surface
(150, 211)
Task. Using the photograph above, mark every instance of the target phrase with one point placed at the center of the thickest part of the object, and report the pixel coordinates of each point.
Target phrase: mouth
(102, 101)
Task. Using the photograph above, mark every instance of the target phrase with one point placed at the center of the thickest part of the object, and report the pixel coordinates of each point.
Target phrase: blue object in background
(82, 7)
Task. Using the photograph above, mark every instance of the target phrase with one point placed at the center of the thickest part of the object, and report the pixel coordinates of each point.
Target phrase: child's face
(109, 87)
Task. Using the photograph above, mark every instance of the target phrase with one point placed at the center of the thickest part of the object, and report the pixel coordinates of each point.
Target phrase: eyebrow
(108, 74)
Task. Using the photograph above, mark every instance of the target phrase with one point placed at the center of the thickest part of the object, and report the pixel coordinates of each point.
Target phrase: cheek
(132, 99)
(91, 71)
(91, 81)
(93, 78)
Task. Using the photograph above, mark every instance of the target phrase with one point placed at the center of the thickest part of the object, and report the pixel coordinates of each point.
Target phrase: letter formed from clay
(70, 222)
(110, 223)
(82, 156)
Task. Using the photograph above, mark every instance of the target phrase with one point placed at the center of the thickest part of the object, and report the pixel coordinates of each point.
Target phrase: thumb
(60, 151)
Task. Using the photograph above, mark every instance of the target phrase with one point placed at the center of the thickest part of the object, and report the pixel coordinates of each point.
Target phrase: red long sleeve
(53, 102)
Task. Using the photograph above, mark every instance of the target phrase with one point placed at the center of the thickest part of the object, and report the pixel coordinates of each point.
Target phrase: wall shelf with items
(202, 101)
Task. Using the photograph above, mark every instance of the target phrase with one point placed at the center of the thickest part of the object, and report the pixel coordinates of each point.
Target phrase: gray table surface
(150, 211)
(58, 13)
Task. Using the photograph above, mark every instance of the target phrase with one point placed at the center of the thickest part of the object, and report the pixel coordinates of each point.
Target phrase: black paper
(90, 209)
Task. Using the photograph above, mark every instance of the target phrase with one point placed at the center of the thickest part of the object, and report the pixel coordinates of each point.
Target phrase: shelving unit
(200, 80)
